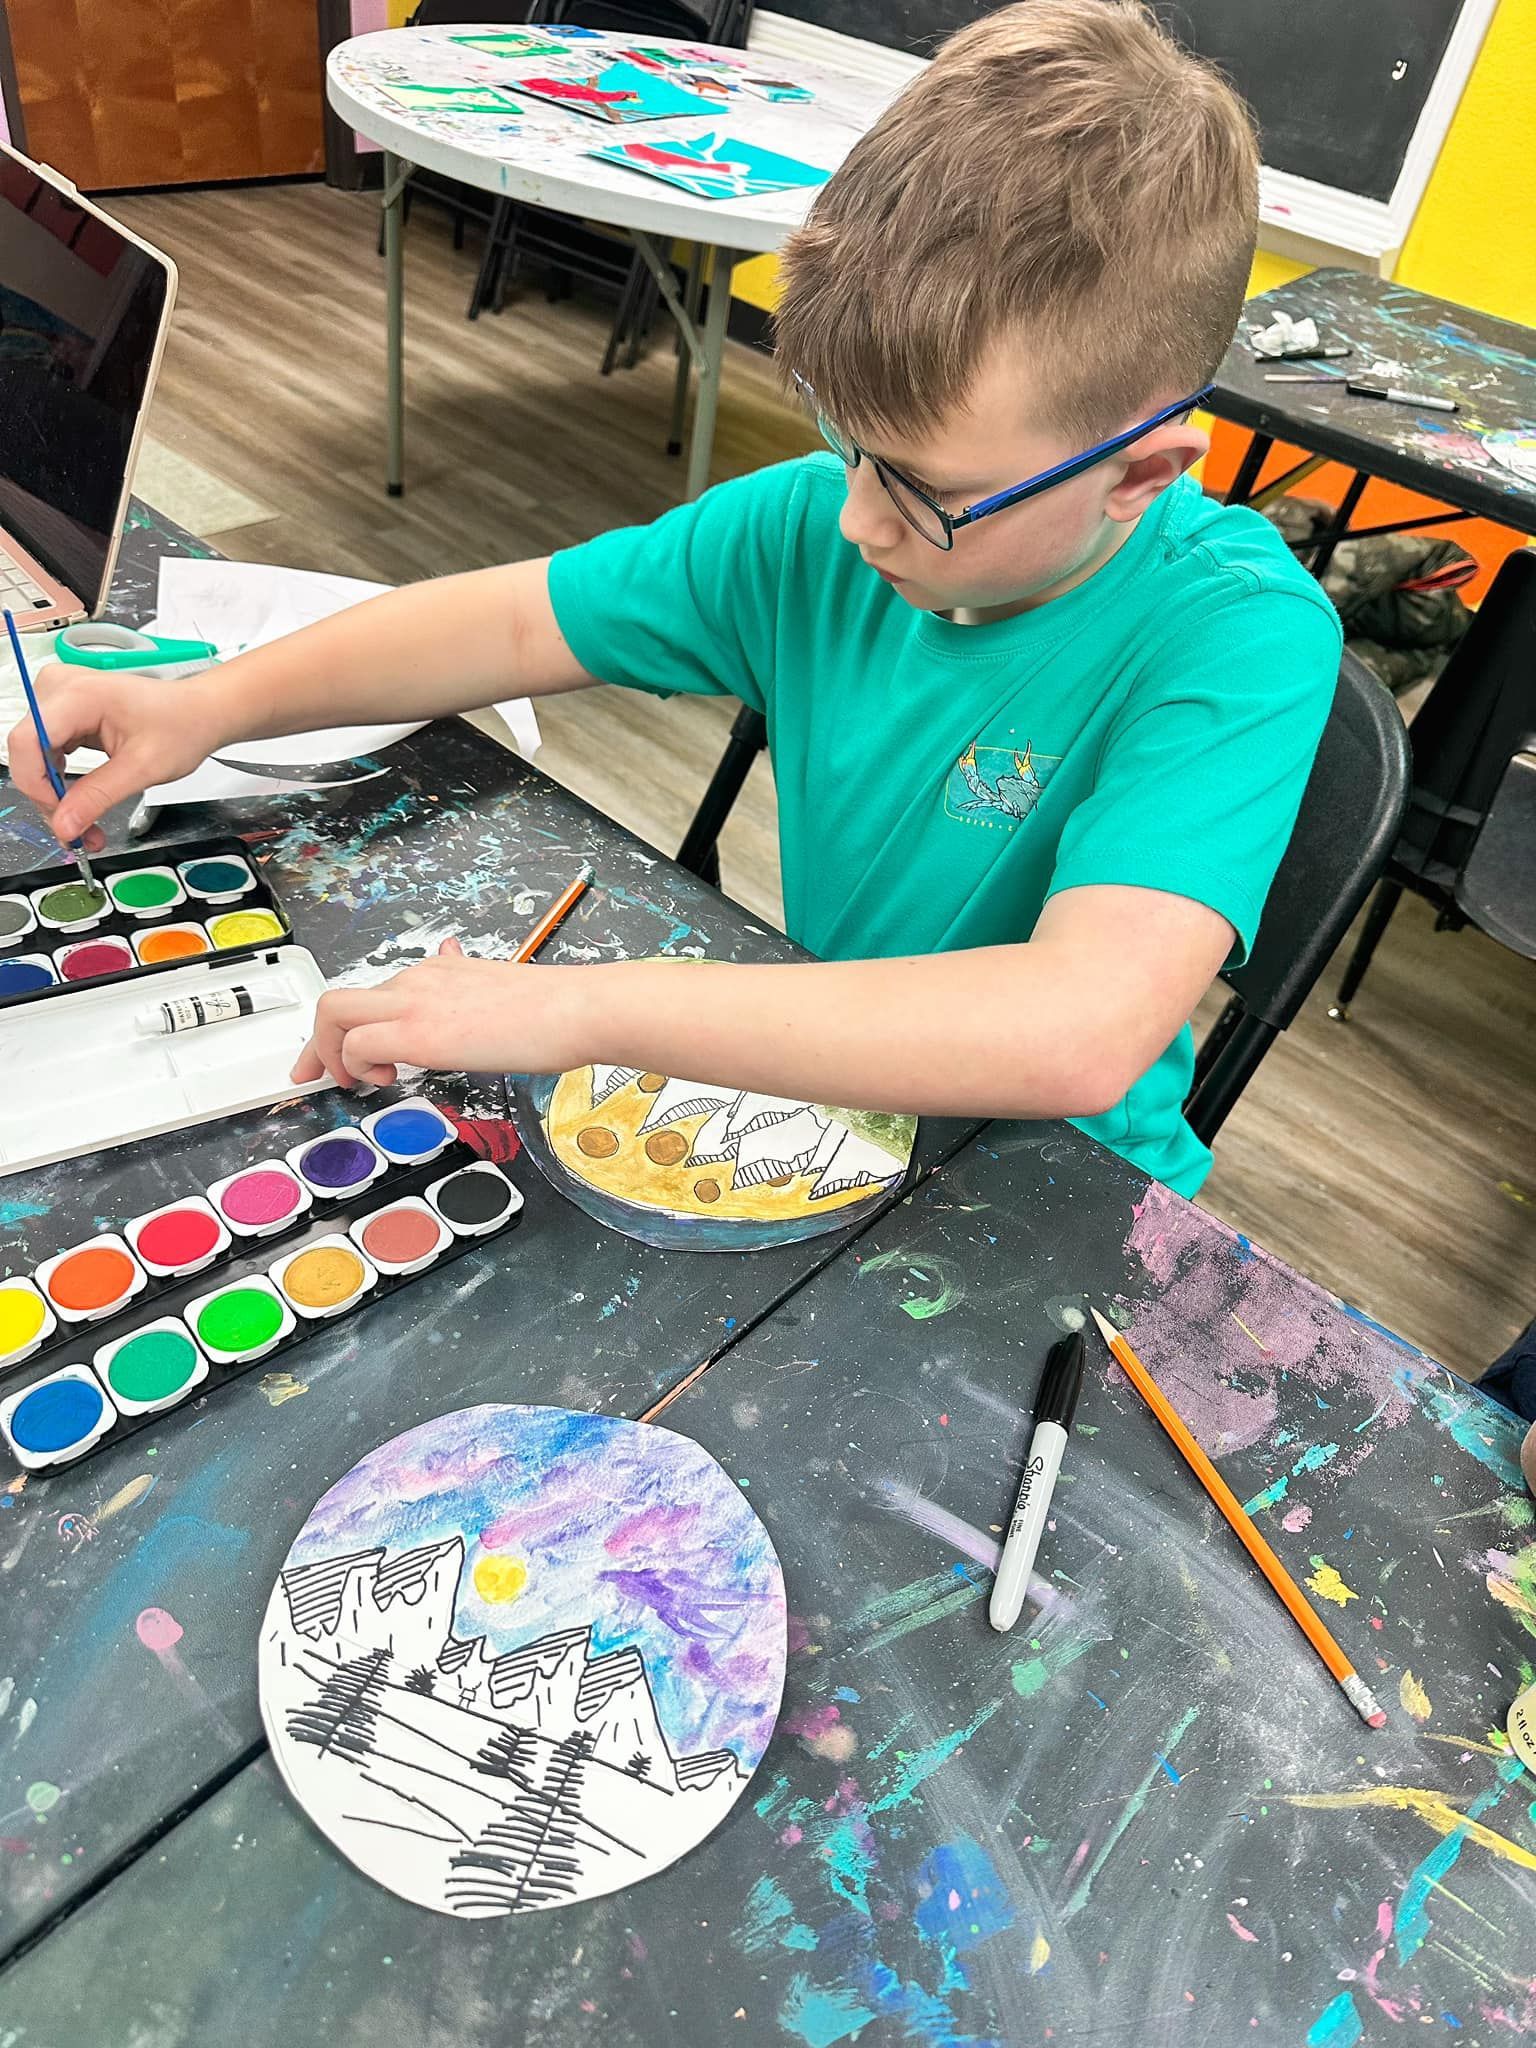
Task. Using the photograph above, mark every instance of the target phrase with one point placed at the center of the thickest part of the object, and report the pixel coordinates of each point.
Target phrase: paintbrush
(555, 916)
(87, 873)
(1301, 1612)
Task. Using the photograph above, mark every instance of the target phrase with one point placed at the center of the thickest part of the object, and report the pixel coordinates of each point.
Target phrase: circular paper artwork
(519, 1656)
(692, 1167)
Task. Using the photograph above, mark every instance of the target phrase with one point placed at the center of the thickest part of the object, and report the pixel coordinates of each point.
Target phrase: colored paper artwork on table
(619, 92)
(717, 77)
(451, 99)
(688, 1166)
(714, 166)
(682, 57)
(519, 1657)
(513, 42)
(777, 90)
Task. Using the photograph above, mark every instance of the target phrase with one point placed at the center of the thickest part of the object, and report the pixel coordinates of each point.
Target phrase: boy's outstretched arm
(1061, 1026)
(418, 652)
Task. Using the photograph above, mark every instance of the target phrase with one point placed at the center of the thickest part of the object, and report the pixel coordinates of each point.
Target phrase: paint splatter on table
(101, 1735)
(1146, 1816)
(1487, 365)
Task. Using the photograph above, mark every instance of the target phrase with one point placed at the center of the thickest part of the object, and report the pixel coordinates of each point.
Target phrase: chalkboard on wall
(918, 26)
(1338, 86)
(1353, 96)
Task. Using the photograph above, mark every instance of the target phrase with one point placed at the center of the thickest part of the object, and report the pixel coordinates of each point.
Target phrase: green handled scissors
(101, 646)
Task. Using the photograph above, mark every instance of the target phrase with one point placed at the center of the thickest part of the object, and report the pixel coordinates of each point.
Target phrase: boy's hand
(451, 1012)
(152, 732)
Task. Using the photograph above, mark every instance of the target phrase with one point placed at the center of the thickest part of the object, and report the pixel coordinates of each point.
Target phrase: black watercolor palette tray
(63, 1400)
(152, 894)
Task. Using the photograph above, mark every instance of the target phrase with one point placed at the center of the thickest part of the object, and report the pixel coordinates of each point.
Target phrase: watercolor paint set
(154, 910)
(172, 994)
(105, 1335)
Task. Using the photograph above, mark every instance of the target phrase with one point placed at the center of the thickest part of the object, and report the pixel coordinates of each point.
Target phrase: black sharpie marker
(1055, 1406)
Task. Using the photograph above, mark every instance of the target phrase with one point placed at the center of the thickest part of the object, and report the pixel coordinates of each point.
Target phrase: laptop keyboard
(18, 590)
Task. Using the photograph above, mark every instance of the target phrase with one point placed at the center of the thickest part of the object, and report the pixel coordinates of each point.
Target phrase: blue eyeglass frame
(999, 501)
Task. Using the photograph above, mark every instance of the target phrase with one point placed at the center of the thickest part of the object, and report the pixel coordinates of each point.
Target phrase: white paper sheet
(240, 605)
(237, 606)
(38, 648)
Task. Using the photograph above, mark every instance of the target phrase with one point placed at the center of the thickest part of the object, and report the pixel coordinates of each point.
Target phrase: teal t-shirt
(938, 782)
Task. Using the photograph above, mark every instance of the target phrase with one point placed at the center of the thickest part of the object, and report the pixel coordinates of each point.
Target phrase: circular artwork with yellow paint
(693, 1166)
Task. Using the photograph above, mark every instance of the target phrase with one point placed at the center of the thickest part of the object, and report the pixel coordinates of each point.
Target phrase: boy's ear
(1160, 459)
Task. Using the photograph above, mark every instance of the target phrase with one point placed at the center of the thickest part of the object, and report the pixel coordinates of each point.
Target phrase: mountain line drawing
(475, 1782)
(762, 1137)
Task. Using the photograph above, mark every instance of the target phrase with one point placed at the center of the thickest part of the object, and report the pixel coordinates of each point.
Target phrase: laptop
(84, 308)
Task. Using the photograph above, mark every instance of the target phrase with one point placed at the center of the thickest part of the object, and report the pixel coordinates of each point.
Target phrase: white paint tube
(213, 1006)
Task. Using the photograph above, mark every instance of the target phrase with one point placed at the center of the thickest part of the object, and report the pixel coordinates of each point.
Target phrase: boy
(1036, 762)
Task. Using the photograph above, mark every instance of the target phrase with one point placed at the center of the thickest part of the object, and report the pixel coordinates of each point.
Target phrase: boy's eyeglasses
(925, 515)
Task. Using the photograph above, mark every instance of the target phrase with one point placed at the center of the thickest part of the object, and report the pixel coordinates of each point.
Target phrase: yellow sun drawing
(499, 1579)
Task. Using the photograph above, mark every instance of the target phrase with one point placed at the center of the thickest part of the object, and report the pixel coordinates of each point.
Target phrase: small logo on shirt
(995, 785)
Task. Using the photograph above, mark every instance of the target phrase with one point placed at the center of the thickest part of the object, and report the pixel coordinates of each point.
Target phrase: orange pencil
(1356, 1691)
(554, 916)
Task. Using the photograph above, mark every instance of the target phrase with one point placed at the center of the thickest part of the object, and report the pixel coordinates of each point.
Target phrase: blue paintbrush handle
(34, 707)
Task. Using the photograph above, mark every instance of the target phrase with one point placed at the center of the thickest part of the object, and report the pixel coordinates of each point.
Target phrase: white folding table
(540, 156)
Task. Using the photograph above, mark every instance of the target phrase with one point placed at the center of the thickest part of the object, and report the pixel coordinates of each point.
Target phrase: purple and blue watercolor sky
(622, 1526)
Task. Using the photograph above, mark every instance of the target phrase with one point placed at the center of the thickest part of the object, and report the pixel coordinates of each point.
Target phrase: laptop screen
(80, 313)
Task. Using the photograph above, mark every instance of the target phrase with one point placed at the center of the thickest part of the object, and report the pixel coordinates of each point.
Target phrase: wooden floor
(1392, 1158)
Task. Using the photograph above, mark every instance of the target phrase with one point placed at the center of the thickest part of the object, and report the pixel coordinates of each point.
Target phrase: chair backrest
(1497, 886)
(454, 13)
(1481, 712)
(710, 21)
(1344, 832)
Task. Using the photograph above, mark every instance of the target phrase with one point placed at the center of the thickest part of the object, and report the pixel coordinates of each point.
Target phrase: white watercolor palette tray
(80, 1077)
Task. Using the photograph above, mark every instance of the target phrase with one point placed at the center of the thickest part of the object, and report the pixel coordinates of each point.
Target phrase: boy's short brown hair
(1063, 179)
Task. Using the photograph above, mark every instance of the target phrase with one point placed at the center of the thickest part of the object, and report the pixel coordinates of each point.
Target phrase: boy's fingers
(452, 946)
(95, 794)
(29, 772)
(368, 1051)
(308, 1066)
(337, 1014)
(70, 723)
(25, 758)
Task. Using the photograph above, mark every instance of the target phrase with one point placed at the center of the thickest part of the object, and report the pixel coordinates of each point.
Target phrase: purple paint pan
(337, 1165)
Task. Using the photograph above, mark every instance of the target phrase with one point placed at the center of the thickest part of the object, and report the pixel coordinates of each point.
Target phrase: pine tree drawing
(528, 1855)
(421, 1680)
(639, 1765)
(341, 1718)
(511, 1753)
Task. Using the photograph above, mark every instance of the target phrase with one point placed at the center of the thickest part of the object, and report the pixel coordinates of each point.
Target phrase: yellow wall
(1471, 239)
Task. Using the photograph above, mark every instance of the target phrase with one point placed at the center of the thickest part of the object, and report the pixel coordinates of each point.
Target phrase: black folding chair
(1349, 817)
(700, 850)
(1344, 831)
(463, 202)
(1468, 843)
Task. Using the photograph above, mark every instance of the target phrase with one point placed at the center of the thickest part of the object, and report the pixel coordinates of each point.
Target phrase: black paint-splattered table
(100, 1738)
(1147, 1817)
(1433, 346)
